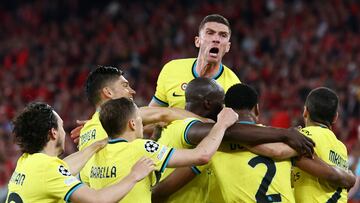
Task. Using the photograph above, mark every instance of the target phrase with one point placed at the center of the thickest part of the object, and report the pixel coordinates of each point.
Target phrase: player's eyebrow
(220, 32)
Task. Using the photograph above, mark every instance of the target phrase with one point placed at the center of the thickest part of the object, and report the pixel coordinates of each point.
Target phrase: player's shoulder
(183, 122)
(318, 132)
(142, 145)
(231, 73)
(178, 63)
(94, 122)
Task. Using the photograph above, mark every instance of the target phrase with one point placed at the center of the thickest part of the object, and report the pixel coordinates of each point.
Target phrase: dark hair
(241, 97)
(322, 104)
(203, 88)
(97, 79)
(32, 126)
(114, 115)
(205, 97)
(215, 18)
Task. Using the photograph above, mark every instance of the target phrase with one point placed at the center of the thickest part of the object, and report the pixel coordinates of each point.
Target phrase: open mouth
(214, 51)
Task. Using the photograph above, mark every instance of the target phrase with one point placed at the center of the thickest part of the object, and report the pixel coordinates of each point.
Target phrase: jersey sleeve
(160, 92)
(308, 134)
(60, 182)
(159, 153)
(188, 123)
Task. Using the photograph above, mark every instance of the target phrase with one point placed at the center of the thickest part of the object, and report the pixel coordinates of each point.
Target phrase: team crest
(183, 86)
(64, 171)
(151, 146)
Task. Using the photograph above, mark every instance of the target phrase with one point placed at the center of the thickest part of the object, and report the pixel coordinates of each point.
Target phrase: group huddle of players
(204, 152)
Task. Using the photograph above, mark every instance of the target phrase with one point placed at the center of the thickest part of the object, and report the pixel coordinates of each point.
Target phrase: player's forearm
(254, 135)
(278, 150)
(118, 191)
(322, 170)
(77, 160)
(109, 194)
(164, 114)
(209, 145)
(175, 181)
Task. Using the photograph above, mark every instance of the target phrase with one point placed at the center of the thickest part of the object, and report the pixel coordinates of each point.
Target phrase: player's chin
(213, 59)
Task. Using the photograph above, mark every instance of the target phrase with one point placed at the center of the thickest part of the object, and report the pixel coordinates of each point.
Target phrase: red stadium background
(283, 48)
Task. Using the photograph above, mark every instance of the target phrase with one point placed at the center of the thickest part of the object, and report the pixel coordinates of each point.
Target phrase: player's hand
(75, 133)
(227, 117)
(299, 142)
(142, 168)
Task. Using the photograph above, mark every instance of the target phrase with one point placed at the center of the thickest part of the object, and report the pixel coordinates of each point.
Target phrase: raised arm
(118, 191)
(164, 114)
(77, 160)
(254, 135)
(322, 170)
(208, 146)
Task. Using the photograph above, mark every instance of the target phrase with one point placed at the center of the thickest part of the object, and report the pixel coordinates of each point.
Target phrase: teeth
(213, 54)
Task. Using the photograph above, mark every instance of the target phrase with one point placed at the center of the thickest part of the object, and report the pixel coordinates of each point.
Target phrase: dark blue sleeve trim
(72, 190)
(159, 101)
(167, 159)
(187, 129)
(195, 170)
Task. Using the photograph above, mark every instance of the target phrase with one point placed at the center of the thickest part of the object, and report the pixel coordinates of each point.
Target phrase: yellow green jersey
(176, 74)
(41, 178)
(247, 177)
(91, 132)
(114, 162)
(175, 135)
(309, 188)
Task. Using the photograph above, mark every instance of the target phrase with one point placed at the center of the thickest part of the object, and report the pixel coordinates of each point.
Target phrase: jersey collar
(116, 140)
(247, 122)
(216, 76)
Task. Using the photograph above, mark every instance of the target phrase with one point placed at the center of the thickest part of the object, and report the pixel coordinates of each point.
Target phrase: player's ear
(197, 41)
(335, 118)
(53, 133)
(257, 112)
(228, 47)
(107, 92)
(132, 124)
(305, 112)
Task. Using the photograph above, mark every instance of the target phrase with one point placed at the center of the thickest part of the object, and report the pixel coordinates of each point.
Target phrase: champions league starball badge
(151, 146)
(64, 171)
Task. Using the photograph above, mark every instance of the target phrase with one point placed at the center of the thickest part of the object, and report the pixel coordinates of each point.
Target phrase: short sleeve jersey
(175, 135)
(176, 74)
(114, 162)
(246, 177)
(41, 178)
(91, 132)
(309, 188)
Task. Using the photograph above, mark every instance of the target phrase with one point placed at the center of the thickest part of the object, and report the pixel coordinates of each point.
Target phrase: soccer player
(236, 170)
(40, 176)
(206, 98)
(105, 83)
(123, 124)
(213, 42)
(320, 112)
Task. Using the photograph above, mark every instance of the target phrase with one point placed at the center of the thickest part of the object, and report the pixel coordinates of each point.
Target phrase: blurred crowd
(283, 48)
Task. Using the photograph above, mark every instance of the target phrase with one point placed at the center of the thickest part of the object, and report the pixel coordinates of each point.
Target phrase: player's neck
(128, 136)
(309, 122)
(246, 115)
(205, 69)
(51, 149)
